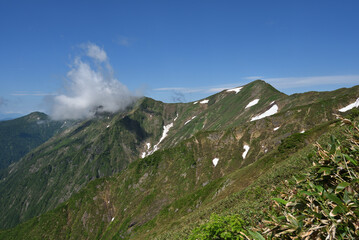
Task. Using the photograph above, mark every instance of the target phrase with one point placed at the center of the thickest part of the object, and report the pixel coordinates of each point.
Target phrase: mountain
(157, 167)
(21, 135)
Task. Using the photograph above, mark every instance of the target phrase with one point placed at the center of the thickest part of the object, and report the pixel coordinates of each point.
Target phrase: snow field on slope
(189, 120)
(273, 110)
(236, 90)
(215, 161)
(252, 103)
(246, 149)
(166, 129)
(350, 106)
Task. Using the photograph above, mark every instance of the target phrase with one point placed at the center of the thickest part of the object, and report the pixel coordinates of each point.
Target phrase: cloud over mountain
(90, 88)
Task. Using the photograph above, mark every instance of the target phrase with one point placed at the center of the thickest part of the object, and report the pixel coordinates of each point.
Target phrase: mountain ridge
(96, 149)
(21, 135)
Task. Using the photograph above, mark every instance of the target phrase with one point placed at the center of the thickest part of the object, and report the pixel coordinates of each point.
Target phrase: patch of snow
(63, 124)
(303, 131)
(204, 101)
(273, 110)
(236, 90)
(215, 161)
(195, 102)
(276, 128)
(252, 103)
(166, 129)
(272, 102)
(246, 149)
(266, 150)
(175, 117)
(190, 120)
(112, 219)
(350, 106)
(147, 152)
(108, 126)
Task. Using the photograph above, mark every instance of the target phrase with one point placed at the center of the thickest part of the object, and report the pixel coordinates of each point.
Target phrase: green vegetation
(324, 202)
(219, 227)
(92, 184)
(19, 136)
(320, 203)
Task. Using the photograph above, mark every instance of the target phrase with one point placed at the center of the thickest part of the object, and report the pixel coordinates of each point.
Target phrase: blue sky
(176, 50)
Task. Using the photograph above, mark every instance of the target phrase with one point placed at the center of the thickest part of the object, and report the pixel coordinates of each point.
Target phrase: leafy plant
(323, 203)
(220, 227)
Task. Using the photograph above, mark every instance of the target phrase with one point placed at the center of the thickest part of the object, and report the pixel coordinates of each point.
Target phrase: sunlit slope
(21, 135)
(166, 194)
(221, 126)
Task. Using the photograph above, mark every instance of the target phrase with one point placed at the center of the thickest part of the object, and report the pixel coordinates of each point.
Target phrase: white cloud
(95, 52)
(293, 82)
(90, 90)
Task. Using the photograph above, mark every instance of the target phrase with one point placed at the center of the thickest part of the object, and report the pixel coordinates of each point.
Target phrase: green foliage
(21, 135)
(324, 202)
(292, 143)
(220, 227)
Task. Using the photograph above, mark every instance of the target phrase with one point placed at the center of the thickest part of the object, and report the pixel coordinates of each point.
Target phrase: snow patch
(195, 102)
(272, 102)
(107, 126)
(246, 149)
(215, 161)
(166, 129)
(190, 120)
(303, 131)
(273, 110)
(164, 134)
(204, 101)
(350, 106)
(63, 124)
(175, 117)
(236, 90)
(276, 128)
(252, 103)
(112, 219)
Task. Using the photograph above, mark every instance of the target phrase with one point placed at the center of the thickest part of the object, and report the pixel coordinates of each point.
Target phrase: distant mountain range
(19, 136)
(156, 170)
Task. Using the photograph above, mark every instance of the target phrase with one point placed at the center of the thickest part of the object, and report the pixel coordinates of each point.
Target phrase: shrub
(220, 227)
(323, 203)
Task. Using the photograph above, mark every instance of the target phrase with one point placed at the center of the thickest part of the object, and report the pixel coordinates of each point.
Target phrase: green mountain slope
(19, 136)
(168, 193)
(181, 175)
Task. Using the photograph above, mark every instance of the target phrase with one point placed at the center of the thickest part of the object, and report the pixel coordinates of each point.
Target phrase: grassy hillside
(179, 180)
(19, 136)
(167, 194)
